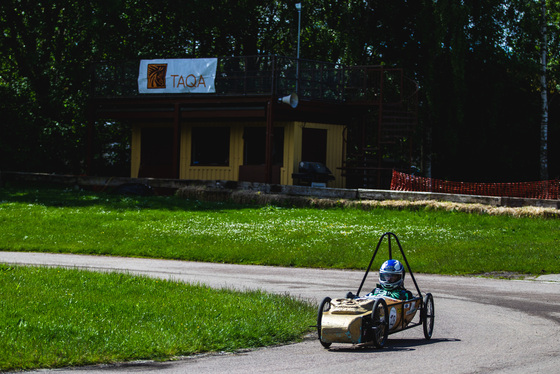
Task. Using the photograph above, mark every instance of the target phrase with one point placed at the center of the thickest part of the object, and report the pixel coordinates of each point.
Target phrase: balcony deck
(270, 76)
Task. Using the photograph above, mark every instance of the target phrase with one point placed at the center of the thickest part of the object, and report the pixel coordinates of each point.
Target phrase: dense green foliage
(174, 228)
(52, 317)
(477, 63)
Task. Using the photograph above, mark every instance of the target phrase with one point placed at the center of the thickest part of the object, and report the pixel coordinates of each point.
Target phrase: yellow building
(253, 119)
(235, 151)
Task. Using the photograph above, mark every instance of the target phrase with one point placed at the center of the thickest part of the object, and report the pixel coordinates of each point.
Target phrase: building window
(210, 146)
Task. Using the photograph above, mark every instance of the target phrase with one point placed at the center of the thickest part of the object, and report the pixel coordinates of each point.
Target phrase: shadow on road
(391, 345)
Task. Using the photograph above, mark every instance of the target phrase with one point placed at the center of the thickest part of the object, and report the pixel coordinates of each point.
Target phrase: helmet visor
(389, 277)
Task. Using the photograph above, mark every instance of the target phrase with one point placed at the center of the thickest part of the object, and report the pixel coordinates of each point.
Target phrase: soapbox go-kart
(369, 320)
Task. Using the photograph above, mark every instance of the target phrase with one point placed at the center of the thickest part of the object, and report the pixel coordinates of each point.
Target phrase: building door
(156, 153)
(254, 154)
(314, 145)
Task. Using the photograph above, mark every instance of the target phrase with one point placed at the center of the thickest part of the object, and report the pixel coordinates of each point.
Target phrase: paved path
(482, 325)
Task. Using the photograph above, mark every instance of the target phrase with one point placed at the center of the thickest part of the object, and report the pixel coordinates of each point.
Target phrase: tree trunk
(544, 99)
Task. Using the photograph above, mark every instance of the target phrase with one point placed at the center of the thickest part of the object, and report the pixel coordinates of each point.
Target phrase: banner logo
(156, 75)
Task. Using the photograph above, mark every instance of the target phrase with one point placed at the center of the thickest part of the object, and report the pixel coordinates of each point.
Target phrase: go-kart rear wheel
(427, 315)
(380, 323)
(325, 306)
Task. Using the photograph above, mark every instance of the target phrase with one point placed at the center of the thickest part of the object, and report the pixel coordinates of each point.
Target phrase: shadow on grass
(52, 197)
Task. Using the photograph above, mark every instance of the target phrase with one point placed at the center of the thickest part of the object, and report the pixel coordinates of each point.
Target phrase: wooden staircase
(382, 140)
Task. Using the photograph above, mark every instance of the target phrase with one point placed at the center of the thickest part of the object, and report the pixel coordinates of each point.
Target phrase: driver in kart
(391, 282)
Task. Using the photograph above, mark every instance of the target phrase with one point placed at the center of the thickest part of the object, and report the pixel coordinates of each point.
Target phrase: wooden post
(89, 140)
(269, 142)
(270, 125)
(176, 140)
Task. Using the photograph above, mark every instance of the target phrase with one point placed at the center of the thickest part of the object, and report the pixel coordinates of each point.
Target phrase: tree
(544, 97)
(47, 52)
(478, 62)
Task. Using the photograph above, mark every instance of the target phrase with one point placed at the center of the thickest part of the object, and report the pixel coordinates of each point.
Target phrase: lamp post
(298, 7)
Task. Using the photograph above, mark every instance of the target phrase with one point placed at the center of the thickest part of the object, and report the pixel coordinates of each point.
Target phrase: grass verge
(57, 317)
(53, 317)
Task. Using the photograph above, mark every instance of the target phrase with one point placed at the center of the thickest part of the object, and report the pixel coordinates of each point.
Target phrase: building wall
(292, 151)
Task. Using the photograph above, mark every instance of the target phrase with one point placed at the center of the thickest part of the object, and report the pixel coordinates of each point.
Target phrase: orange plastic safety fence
(533, 190)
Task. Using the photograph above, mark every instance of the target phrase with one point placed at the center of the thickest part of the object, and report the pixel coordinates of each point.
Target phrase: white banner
(177, 75)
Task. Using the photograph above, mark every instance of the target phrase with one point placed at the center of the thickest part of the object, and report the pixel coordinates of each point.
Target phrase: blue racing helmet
(391, 274)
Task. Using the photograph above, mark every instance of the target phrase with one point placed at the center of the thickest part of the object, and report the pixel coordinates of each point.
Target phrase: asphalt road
(481, 326)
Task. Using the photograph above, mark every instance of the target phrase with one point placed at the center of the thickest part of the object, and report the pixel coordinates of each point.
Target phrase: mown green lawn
(174, 228)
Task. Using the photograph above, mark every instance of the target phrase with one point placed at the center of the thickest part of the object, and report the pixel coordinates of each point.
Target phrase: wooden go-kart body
(369, 320)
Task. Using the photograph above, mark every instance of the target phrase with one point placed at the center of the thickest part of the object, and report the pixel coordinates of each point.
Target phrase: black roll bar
(389, 235)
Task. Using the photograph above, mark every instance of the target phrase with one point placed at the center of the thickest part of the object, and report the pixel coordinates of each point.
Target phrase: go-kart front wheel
(380, 323)
(427, 315)
(325, 306)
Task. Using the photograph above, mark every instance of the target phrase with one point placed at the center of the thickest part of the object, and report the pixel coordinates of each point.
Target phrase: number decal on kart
(392, 317)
